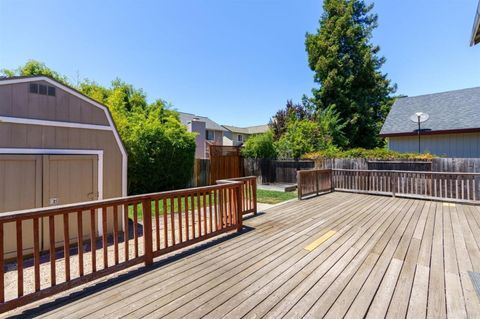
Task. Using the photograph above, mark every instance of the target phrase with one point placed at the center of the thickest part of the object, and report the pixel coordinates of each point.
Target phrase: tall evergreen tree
(347, 67)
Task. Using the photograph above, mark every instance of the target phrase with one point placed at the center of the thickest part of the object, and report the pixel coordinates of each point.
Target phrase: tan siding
(451, 145)
(16, 101)
(33, 136)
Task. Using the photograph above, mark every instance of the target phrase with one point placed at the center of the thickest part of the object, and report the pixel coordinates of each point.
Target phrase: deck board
(388, 257)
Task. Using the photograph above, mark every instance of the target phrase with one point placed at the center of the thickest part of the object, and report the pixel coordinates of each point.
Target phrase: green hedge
(376, 153)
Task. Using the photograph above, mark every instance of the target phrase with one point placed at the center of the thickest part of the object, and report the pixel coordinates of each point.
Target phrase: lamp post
(419, 117)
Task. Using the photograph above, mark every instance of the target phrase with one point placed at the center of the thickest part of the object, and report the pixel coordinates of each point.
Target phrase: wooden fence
(454, 187)
(153, 225)
(225, 162)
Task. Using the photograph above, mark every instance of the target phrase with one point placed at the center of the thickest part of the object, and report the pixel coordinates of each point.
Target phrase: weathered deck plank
(388, 257)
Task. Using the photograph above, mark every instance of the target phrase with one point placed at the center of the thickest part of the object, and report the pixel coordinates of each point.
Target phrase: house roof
(453, 111)
(476, 27)
(186, 118)
(258, 129)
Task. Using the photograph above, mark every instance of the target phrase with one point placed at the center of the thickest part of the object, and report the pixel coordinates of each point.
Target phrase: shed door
(20, 188)
(68, 179)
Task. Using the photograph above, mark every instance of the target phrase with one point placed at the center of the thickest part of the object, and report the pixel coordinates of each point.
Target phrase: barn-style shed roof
(449, 112)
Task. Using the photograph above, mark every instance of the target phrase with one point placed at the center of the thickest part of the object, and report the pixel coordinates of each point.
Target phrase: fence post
(299, 185)
(147, 231)
(239, 208)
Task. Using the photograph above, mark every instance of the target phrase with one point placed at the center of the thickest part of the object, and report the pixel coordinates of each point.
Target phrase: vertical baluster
(463, 187)
(19, 257)
(36, 254)
(199, 215)
(135, 229)
(51, 231)
(468, 189)
(456, 187)
(104, 237)
(192, 202)
(187, 226)
(126, 233)
(215, 206)
(80, 241)
(205, 213)
(172, 219)
(435, 186)
(93, 240)
(474, 190)
(115, 234)
(180, 228)
(157, 222)
(210, 214)
(66, 246)
(165, 222)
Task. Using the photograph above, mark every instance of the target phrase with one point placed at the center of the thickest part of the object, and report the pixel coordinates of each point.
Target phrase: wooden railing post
(299, 184)
(239, 208)
(147, 231)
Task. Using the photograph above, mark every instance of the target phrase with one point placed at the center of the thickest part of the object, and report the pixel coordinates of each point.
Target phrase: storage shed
(57, 146)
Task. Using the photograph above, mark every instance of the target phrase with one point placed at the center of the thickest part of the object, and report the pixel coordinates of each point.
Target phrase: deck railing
(313, 182)
(455, 187)
(86, 241)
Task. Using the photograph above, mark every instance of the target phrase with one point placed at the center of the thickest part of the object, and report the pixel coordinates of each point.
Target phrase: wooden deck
(369, 256)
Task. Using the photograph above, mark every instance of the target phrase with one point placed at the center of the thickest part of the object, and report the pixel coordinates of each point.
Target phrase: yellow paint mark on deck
(320, 240)
(449, 204)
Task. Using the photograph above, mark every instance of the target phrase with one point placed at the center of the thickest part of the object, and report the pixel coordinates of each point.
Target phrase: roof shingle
(453, 110)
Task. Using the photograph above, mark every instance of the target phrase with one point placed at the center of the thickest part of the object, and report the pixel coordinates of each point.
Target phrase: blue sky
(236, 61)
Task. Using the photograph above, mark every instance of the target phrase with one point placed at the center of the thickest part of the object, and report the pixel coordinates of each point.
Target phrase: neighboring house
(208, 132)
(236, 136)
(57, 146)
(476, 27)
(453, 127)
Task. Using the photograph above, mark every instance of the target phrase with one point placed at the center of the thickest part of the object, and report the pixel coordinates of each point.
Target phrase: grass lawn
(273, 197)
(263, 196)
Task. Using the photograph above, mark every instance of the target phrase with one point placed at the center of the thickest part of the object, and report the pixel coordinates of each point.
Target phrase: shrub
(260, 146)
(376, 153)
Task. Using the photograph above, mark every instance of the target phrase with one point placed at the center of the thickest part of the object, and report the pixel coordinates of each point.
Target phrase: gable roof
(186, 118)
(476, 27)
(258, 129)
(451, 111)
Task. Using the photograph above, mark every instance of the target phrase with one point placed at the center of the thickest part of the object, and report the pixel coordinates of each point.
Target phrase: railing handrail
(398, 171)
(84, 206)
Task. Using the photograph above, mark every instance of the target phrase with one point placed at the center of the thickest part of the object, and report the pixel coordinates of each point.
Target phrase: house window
(240, 138)
(42, 89)
(210, 135)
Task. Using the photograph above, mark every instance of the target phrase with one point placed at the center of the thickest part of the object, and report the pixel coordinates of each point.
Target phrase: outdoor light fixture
(419, 117)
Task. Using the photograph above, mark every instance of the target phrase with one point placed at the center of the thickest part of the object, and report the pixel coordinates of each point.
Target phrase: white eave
(476, 28)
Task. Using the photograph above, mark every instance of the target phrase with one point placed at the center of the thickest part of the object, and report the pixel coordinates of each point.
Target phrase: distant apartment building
(236, 136)
(208, 132)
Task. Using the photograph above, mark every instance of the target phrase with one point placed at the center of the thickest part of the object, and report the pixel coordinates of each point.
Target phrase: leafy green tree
(301, 137)
(348, 69)
(278, 123)
(260, 146)
(33, 67)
